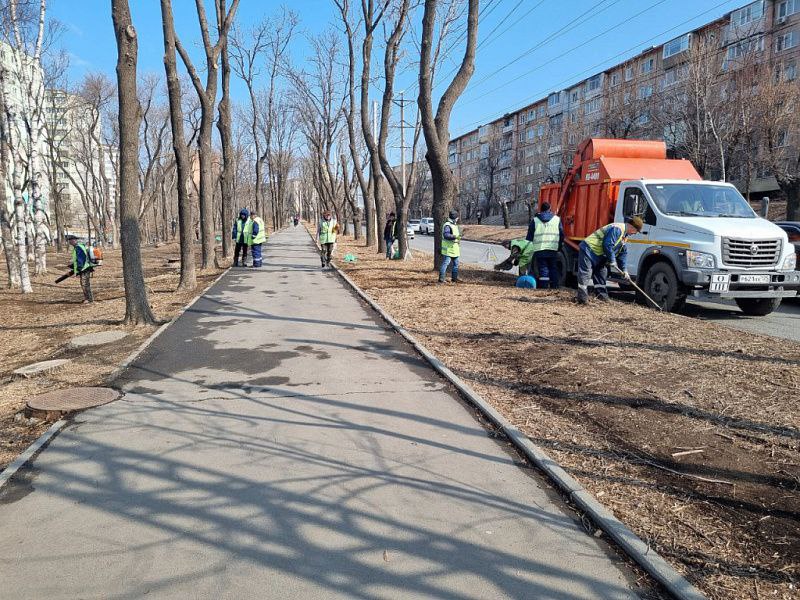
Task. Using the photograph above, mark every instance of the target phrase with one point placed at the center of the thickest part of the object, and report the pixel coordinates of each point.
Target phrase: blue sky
(565, 41)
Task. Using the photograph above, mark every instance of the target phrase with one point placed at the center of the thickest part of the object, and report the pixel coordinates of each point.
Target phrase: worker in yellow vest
(326, 236)
(605, 248)
(241, 235)
(258, 237)
(451, 249)
(546, 234)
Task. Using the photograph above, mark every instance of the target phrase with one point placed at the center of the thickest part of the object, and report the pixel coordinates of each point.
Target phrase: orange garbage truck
(701, 239)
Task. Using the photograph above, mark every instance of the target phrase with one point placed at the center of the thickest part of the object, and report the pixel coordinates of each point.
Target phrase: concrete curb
(56, 427)
(30, 452)
(135, 354)
(626, 539)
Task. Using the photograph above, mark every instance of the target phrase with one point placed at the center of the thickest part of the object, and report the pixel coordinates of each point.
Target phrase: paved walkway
(278, 442)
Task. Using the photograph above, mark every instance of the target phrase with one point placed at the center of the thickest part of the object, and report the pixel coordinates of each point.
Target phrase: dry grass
(37, 326)
(688, 431)
(490, 233)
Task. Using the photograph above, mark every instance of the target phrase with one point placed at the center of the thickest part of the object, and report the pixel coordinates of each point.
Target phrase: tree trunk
(12, 264)
(225, 135)
(792, 192)
(137, 308)
(506, 221)
(436, 126)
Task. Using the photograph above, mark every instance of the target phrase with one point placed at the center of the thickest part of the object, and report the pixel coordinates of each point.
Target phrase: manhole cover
(72, 399)
(96, 339)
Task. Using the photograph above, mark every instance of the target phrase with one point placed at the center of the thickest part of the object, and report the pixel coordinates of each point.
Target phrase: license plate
(719, 282)
(754, 278)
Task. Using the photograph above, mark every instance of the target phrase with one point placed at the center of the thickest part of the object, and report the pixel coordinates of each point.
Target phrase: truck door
(634, 203)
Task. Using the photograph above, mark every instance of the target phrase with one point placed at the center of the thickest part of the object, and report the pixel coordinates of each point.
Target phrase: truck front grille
(750, 253)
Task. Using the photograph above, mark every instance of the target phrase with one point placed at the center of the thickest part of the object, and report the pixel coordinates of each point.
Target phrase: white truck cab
(702, 240)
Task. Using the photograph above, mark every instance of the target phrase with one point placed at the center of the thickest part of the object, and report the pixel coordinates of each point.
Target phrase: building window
(615, 79)
(786, 41)
(628, 73)
(790, 71)
(645, 92)
(676, 46)
(786, 8)
(540, 111)
(745, 47)
(643, 119)
(575, 96)
(554, 99)
(748, 14)
(648, 65)
(592, 106)
(521, 137)
(674, 75)
(556, 123)
(540, 131)
(531, 133)
(627, 98)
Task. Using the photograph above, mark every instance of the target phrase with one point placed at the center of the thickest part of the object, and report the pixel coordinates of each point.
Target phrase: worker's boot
(582, 297)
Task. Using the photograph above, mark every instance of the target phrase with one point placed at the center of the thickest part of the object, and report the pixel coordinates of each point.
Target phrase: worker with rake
(604, 249)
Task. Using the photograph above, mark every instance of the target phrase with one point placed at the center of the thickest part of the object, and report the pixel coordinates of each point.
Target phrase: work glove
(614, 268)
(626, 276)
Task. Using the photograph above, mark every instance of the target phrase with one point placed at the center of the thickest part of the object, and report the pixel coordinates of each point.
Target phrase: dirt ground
(491, 233)
(688, 431)
(36, 327)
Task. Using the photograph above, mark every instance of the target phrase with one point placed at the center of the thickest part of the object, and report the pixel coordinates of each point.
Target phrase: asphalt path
(783, 323)
(279, 441)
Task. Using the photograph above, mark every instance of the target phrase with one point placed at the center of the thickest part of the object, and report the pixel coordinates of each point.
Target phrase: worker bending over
(521, 256)
(546, 234)
(605, 249)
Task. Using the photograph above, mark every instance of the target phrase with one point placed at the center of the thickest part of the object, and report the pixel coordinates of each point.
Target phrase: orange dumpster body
(586, 199)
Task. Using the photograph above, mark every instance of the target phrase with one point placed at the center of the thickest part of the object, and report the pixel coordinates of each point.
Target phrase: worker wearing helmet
(604, 249)
(451, 249)
(546, 234)
(258, 237)
(242, 230)
(326, 236)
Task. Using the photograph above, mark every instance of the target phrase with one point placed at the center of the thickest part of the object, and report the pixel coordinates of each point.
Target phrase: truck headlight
(699, 260)
(789, 263)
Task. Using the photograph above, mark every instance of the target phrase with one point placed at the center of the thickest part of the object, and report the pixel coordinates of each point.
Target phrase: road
(279, 441)
(783, 323)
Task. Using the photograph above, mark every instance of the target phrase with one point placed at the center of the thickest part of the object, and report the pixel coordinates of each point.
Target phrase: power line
(535, 6)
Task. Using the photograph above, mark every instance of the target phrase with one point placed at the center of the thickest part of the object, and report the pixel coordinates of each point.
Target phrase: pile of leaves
(36, 327)
(688, 431)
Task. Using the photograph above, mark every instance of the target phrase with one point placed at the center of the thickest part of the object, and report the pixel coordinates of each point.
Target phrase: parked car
(410, 231)
(792, 229)
(415, 224)
(426, 226)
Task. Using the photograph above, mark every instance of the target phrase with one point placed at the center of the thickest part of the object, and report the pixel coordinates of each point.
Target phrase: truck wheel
(567, 276)
(758, 307)
(661, 284)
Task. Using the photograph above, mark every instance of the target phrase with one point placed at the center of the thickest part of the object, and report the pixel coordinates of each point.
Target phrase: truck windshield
(691, 200)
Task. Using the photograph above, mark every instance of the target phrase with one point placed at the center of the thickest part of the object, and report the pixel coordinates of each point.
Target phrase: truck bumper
(761, 284)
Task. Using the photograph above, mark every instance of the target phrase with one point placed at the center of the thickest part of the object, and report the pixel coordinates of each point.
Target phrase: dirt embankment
(689, 432)
(37, 326)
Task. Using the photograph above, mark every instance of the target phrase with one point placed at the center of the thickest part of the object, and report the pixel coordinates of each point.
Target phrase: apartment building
(646, 96)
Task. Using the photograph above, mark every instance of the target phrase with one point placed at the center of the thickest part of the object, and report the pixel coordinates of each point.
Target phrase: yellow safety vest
(261, 236)
(595, 240)
(327, 234)
(545, 235)
(451, 248)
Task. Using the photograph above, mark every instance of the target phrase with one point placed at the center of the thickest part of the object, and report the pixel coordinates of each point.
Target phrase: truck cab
(702, 240)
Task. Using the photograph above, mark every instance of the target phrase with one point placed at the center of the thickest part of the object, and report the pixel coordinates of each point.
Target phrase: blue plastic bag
(526, 281)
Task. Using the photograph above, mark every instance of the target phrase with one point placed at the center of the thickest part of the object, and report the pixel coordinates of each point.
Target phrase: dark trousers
(325, 254)
(240, 247)
(255, 251)
(389, 247)
(86, 285)
(591, 269)
(547, 265)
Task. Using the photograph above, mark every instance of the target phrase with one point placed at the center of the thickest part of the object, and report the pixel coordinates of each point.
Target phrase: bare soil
(37, 326)
(688, 431)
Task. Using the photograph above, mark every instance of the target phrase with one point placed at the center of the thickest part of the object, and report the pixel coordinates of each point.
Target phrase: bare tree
(207, 95)
(188, 278)
(225, 128)
(436, 126)
(137, 308)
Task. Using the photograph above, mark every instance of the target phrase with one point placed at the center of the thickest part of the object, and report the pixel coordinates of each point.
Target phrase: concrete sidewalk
(278, 442)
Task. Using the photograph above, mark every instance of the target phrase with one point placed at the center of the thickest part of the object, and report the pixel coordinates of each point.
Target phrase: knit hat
(453, 214)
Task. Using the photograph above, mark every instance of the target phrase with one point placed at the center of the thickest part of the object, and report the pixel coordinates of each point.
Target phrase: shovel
(642, 292)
